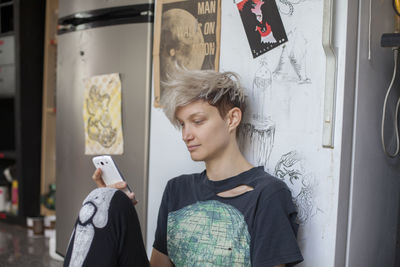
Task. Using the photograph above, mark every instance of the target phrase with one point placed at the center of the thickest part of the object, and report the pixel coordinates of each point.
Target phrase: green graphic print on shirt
(208, 233)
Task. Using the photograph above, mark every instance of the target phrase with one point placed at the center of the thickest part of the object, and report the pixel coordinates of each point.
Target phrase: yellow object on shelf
(14, 197)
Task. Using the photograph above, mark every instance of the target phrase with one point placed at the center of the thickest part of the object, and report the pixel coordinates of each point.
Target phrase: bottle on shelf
(14, 197)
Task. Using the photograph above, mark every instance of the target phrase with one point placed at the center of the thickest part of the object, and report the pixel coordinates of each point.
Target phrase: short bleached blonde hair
(221, 90)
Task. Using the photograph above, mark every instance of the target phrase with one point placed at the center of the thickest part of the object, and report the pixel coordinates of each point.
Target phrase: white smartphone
(110, 171)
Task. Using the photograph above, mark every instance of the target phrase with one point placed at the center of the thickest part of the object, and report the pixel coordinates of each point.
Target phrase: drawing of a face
(257, 10)
(290, 169)
(204, 132)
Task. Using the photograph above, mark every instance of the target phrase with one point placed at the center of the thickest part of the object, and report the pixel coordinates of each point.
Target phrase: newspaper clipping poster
(187, 34)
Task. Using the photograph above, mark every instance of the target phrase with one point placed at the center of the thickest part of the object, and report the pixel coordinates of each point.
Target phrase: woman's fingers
(98, 179)
(119, 185)
(131, 195)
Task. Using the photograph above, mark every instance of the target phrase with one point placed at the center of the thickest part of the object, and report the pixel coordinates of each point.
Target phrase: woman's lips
(193, 147)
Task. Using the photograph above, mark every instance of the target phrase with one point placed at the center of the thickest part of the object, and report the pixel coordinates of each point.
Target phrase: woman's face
(204, 132)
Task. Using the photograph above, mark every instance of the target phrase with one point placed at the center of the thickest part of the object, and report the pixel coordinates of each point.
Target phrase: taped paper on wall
(102, 115)
(263, 25)
(186, 34)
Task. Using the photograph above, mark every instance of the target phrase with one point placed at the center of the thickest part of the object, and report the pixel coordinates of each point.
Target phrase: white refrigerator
(97, 38)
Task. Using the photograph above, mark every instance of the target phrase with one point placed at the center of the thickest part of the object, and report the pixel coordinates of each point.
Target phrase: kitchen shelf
(21, 110)
(11, 218)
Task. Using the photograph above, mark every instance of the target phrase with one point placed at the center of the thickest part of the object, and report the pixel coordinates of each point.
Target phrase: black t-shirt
(196, 227)
(107, 232)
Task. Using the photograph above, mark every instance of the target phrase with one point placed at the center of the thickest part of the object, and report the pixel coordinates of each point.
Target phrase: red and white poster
(263, 25)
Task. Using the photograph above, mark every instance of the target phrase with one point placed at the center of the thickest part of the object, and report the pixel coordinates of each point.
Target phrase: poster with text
(263, 25)
(102, 115)
(186, 34)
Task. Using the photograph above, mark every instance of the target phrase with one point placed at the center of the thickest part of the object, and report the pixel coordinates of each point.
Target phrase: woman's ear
(233, 118)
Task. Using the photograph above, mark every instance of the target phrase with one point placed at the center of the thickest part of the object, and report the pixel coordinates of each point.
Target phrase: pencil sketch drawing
(99, 122)
(261, 91)
(292, 64)
(286, 7)
(256, 135)
(290, 169)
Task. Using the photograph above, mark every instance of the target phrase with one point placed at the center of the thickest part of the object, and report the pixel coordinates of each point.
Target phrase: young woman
(231, 214)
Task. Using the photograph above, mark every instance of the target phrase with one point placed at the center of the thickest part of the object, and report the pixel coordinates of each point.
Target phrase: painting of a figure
(263, 25)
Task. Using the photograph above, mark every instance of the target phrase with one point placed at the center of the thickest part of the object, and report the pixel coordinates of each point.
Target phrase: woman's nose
(186, 134)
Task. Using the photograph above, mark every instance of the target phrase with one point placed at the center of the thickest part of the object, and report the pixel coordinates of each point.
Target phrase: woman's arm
(159, 259)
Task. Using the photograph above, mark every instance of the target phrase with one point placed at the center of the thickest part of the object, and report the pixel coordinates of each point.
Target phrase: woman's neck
(230, 163)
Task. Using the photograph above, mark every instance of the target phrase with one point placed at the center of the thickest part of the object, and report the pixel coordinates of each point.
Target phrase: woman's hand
(98, 179)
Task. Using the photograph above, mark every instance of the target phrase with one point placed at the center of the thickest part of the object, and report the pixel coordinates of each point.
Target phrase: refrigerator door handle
(87, 17)
(330, 77)
(106, 16)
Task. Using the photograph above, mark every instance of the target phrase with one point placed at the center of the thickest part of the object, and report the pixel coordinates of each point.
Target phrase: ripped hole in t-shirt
(237, 191)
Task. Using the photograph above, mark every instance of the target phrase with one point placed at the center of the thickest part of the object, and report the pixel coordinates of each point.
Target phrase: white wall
(296, 110)
(169, 158)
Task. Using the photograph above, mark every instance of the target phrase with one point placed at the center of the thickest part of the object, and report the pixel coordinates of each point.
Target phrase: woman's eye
(198, 121)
